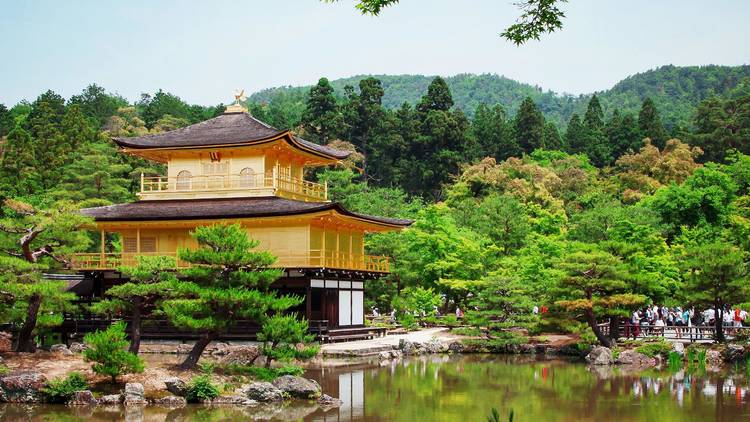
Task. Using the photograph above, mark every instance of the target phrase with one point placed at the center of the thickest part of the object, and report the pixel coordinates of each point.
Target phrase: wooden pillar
(338, 247)
(308, 301)
(351, 249)
(138, 241)
(323, 247)
(103, 240)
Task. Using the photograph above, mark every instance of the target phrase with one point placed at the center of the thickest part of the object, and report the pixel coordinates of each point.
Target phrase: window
(217, 173)
(130, 244)
(183, 180)
(247, 178)
(148, 244)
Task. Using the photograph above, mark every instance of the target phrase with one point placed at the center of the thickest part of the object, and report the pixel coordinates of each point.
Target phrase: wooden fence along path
(698, 333)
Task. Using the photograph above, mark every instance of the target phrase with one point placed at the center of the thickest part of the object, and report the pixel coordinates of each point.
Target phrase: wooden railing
(251, 184)
(675, 333)
(285, 259)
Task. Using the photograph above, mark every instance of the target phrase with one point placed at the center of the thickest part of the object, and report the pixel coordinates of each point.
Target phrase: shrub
(651, 350)
(107, 350)
(408, 321)
(4, 370)
(262, 373)
(62, 389)
(450, 321)
(675, 361)
(281, 334)
(201, 389)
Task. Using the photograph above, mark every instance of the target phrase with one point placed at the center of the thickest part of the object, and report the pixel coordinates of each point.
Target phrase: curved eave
(285, 135)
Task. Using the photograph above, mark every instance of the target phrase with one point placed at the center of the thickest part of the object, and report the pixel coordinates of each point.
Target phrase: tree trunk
(604, 340)
(135, 327)
(26, 341)
(614, 328)
(192, 358)
(719, 323)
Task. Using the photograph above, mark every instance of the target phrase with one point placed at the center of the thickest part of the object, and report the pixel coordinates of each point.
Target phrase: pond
(466, 388)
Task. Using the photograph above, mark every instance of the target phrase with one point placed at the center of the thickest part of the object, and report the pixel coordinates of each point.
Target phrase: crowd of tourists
(654, 320)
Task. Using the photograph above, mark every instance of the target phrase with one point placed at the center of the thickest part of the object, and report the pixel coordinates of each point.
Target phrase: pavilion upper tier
(233, 155)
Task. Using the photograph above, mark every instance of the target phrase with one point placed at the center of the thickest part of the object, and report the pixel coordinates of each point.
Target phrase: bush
(107, 350)
(62, 389)
(408, 321)
(651, 350)
(4, 370)
(261, 373)
(281, 334)
(451, 321)
(201, 389)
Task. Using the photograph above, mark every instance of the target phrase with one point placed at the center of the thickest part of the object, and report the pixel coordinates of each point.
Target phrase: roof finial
(237, 107)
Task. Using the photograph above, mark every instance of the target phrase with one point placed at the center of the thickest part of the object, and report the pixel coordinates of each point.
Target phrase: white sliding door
(345, 307)
(358, 307)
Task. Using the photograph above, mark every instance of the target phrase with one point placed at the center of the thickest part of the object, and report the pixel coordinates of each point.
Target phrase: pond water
(466, 388)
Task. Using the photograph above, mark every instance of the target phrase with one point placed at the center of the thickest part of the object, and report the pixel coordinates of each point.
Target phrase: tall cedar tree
(149, 283)
(717, 276)
(575, 137)
(493, 134)
(596, 144)
(529, 126)
(228, 282)
(364, 114)
(322, 119)
(595, 285)
(42, 238)
(649, 122)
(722, 125)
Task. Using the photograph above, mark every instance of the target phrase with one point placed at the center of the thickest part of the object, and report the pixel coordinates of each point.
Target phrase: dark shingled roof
(227, 129)
(191, 209)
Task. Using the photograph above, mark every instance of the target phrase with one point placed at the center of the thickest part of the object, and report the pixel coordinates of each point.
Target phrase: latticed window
(216, 172)
(247, 178)
(183, 180)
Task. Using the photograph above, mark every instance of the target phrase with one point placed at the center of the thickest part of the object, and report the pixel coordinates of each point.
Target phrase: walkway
(380, 344)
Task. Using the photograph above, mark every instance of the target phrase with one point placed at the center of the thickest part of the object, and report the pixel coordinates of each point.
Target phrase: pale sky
(203, 50)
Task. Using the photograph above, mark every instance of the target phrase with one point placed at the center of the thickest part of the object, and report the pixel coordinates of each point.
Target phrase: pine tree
(575, 136)
(95, 103)
(75, 128)
(41, 238)
(228, 281)
(552, 139)
(529, 126)
(322, 119)
(149, 283)
(650, 125)
(365, 116)
(722, 125)
(595, 284)
(493, 135)
(95, 173)
(594, 117)
(596, 145)
(438, 97)
(6, 121)
(18, 173)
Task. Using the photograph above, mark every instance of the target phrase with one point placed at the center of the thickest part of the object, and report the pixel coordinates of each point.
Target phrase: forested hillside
(675, 90)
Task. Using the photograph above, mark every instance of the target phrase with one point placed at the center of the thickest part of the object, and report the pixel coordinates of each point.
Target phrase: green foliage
(263, 373)
(656, 348)
(4, 370)
(107, 351)
(407, 320)
(281, 336)
(418, 301)
(201, 388)
(61, 390)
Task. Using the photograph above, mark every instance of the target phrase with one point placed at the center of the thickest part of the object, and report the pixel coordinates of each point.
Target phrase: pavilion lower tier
(333, 304)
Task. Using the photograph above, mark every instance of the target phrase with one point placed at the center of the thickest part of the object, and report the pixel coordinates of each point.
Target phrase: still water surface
(464, 389)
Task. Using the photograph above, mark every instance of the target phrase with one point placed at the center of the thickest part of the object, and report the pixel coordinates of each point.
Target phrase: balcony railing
(232, 185)
(285, 259)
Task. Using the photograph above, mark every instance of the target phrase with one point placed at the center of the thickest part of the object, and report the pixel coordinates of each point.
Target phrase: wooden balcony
(285, 259)
(232, 186)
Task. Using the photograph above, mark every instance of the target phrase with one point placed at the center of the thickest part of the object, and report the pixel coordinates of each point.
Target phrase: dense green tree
(322, 119)
(75, 129)
(19, 175)
(365, 117)
(503, 303)
(161, 104)
(149, 283)
(6, 121)
(650, 124)
(722, 125)
(438, 97)
(596, 285)
(42, 238)
(552, 139)
(96, 104)
(493, 133)
(623, 134)
(717, 276)
(95, 173)
(228, 281)
(528, 126)
(575, 137)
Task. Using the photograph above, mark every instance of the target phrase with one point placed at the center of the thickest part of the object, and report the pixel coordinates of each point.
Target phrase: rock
(221, 349)
(22, 387)
(183, 349)
(631, 357)
(172, 402)
(435, 346)
(384, 356)
(678, 348)
(6, 342)
(456, 347)
(77, 347)
(176, 386)
(110, 399)
(298, 387)
(396, 354)
(410, 348)
(327, 402)
(262, 392)
(60, 348)
(600, 356)
(241, 355)
(734, 353)
(82, 398)
(233, 400)
(134, 394)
